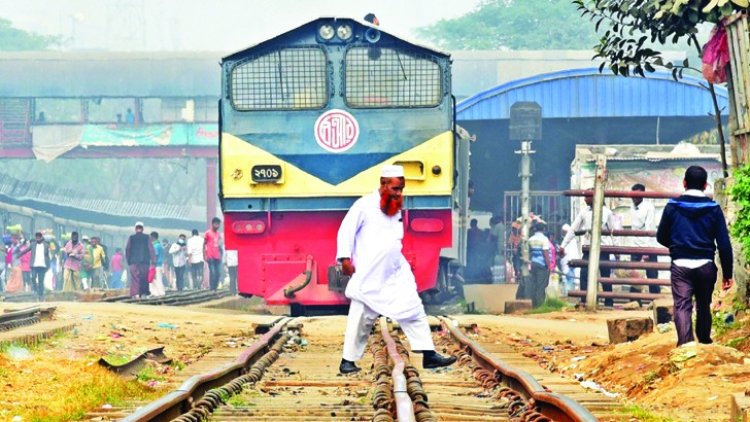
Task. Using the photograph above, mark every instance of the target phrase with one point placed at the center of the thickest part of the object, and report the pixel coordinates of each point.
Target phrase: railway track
(290, 376)
(184, 298)
(12, 319)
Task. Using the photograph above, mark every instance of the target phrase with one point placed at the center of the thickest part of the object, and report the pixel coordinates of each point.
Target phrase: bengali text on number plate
(267, 173)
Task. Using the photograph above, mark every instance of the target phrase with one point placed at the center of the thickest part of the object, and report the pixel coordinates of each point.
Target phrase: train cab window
(378, 77)
(287, 79)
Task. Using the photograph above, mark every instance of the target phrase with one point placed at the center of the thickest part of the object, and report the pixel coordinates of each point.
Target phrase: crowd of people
(147, 266)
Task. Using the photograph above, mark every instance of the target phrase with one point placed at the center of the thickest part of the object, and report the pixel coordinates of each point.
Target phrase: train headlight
(326, 32)
(344, 32)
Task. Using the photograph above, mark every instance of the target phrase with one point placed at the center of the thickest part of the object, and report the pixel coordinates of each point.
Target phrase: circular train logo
(336, 131)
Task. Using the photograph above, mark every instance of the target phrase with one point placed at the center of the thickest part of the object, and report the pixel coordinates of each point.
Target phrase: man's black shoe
(348, 367)
(432, 359)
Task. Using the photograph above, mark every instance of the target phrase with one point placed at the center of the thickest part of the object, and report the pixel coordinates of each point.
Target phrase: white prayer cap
(139, 223)
(392, 171)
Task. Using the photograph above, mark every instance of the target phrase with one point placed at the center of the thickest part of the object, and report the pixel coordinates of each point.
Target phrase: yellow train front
(307, 120)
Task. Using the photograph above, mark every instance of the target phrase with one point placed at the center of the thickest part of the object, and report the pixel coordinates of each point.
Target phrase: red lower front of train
(275, 250)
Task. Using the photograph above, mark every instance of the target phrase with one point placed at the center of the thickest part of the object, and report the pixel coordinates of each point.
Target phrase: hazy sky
(216, 25)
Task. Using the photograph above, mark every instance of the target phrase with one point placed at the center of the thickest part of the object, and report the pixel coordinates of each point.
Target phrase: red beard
(389, 205)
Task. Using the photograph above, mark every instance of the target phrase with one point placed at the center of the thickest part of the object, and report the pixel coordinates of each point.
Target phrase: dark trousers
(687, 282)
(232, 280)
(603, 272)
(37, 281)
(27, 280)
(214, 270)
(179, 278)
(538, 284)
(196, 273)
(652, 274)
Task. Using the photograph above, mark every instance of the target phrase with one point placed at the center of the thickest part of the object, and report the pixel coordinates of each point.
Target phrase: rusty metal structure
(592, 294)
(738, 35)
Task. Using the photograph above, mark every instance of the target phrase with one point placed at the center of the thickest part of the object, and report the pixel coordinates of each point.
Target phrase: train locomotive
(307, 119)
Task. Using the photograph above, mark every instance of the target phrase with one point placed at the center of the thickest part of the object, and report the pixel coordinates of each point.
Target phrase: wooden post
(596, 233)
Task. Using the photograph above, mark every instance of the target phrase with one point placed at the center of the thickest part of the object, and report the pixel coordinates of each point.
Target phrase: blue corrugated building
(579, 106)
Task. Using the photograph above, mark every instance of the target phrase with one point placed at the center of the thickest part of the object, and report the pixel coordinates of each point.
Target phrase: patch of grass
(644, 415)
(148, 373)
(237, 400)
(178, 365)
(735, 343)
(651, 377)
(67, 389)
(720, 327)
(550, 305)
(33, 347)
(116, 359)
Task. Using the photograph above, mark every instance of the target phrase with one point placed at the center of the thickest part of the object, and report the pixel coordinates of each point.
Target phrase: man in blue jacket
(692, 227)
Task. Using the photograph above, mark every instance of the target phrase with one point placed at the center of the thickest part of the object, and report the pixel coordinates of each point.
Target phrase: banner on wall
(177, 134)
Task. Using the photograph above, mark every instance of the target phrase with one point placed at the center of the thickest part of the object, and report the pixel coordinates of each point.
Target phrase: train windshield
(286, 79)
(378, 77)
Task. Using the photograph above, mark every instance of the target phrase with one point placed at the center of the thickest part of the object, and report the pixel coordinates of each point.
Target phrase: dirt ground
(60, 380)
(655, 380)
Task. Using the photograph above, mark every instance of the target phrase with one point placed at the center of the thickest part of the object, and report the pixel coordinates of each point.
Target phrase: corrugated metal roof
(581, 93)
(44, 193)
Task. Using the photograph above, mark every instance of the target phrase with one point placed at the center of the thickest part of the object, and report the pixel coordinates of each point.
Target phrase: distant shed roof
(68, 203)
(582, 93)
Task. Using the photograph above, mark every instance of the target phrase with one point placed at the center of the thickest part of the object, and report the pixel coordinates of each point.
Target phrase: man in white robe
(382, 283)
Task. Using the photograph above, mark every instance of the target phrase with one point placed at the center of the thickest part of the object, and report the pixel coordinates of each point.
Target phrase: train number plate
(267, 173)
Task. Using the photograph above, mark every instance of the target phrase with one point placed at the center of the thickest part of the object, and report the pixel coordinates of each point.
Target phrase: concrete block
(622, 330)
(663, 311)
(489, 298)
(517, 306)
(740, 407)
(280, 310)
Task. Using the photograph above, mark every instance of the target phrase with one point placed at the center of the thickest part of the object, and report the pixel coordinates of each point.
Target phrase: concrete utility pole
(596, 233)
(525, 175)
(525, 126)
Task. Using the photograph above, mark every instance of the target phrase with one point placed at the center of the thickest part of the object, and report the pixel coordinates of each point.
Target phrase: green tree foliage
(13, 39)
(741, 196)
(629, 24)
(513, 24)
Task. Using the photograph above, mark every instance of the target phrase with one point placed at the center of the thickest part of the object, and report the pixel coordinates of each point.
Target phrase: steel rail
(18, 323)
(174, 299)
(631, 250)
(631, 265)
(628, 233)
(623, 194)
(19, 314)
(621, 295)
(178, 402)
(636, 281)
(556, 407)
(404, 405)
(626, 194)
